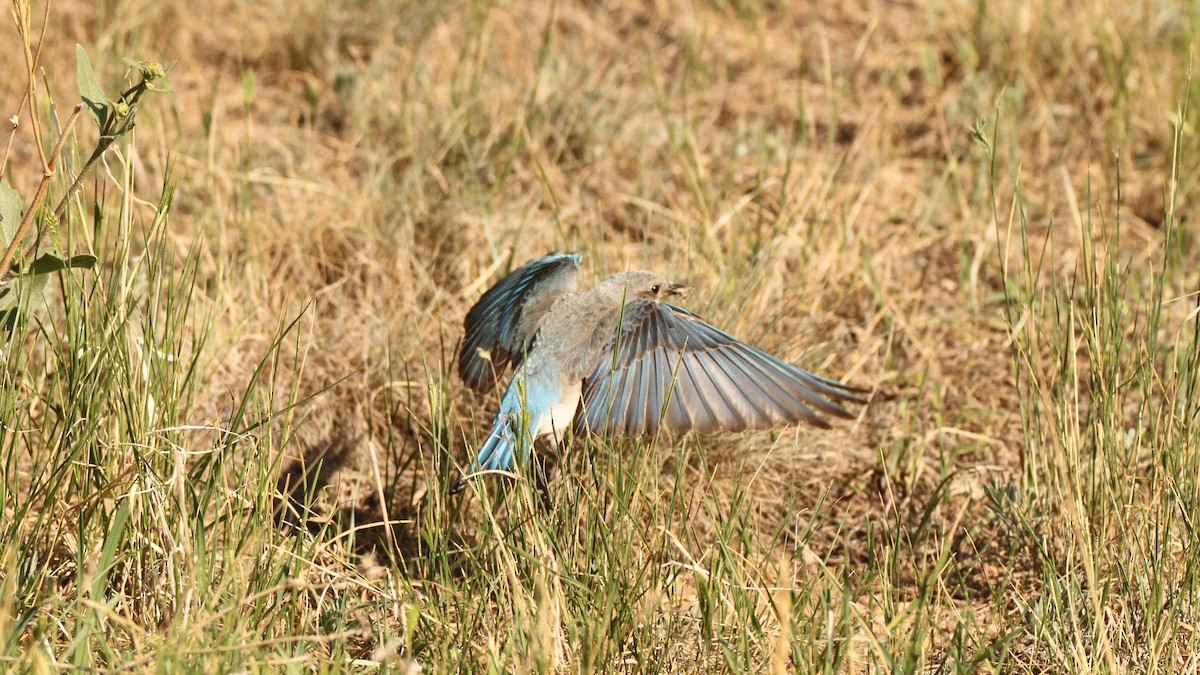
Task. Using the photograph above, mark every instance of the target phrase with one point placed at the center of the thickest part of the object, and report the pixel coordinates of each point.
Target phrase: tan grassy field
(227, 446)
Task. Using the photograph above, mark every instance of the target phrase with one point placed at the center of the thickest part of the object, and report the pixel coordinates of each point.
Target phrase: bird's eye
(654, 289)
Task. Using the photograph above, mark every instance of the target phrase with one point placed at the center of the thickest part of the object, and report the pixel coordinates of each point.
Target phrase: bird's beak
(678, 289)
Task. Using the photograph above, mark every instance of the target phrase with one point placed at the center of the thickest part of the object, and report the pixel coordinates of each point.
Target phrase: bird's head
(652, 286)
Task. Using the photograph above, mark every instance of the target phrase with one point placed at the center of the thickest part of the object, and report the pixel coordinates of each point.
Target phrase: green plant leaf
(89, 88)
(24, 292)
(27, 292)
(108, 553)
(21, 296)
(49, 263)
(10, 212)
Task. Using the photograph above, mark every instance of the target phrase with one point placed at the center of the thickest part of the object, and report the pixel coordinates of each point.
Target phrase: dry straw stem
(807, 166)
(48, 172)
(22, 18)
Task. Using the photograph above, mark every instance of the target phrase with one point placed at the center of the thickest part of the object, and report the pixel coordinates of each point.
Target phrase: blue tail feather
(497, 452)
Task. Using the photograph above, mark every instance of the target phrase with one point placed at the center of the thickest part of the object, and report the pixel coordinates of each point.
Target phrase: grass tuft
(227, 445)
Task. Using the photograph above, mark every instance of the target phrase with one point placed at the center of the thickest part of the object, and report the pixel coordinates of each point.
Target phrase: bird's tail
(497, 453)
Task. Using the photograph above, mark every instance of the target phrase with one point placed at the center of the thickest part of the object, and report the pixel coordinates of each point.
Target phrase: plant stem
(48, 172)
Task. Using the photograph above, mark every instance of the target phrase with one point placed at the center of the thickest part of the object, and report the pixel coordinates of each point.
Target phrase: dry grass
(350, 176)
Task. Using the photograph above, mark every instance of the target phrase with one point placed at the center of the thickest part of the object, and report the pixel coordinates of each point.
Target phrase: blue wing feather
(495, 333)
(674, 369)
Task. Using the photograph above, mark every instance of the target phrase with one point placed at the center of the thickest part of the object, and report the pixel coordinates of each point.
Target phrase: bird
(620, 360)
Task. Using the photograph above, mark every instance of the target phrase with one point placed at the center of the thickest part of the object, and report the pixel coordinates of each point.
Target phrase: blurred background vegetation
(227, 444)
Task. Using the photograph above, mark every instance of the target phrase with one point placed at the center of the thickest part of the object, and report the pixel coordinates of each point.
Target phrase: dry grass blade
(229, 446)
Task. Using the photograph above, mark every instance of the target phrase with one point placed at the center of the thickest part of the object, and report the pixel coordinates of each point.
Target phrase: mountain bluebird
(620, 360)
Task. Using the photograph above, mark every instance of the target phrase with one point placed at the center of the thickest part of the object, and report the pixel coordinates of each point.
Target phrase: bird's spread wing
(501, 326)
(667, 367)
